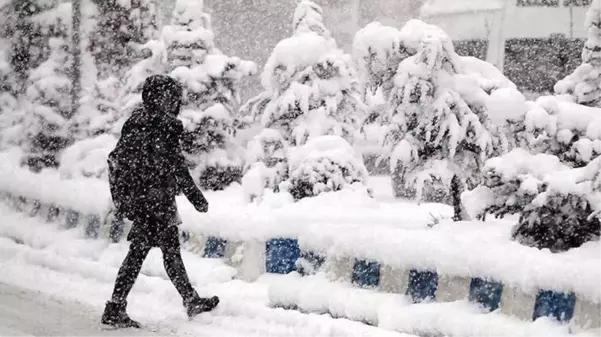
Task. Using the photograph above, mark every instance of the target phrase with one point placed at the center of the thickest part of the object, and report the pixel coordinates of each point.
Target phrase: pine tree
(35, 22)
(584, 84)
(46, 121)
(440, 131)
(310, 85)
(121, 27)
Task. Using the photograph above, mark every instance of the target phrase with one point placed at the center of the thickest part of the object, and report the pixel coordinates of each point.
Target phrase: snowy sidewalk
(53, 282)
(30, 313)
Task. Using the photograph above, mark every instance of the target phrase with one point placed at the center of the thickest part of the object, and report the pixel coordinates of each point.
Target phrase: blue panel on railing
(71, 219)
(486, 293)
(93, 226)
(281, 255)
(116, 229)
(215, 247)
(366, 273)
(422, 285)
(554, 304)
(53, 213)
(310, 262)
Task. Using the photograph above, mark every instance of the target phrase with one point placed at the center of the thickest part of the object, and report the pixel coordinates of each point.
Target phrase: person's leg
(129, 271)
(115, 311)
(174, 266)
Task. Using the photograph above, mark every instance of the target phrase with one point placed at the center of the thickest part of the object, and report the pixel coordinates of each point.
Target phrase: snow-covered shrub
(46, 122)
(554, 126)
(323, 164)
(443, 120)
(266, 164)
(310, 85)
(87, 158)
(556, 203)
(511, 182)
(584, 84)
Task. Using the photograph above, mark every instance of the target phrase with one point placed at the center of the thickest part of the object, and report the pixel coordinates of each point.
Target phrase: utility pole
(76, 54)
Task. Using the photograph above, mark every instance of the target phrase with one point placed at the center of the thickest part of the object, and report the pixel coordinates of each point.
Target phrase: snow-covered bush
(266, 164)
(444, 122)
(209, 143)
(584, 84)
(310, 85)
(554, 126)
(46, 122)
(323, 164)
(87, 158)
(556, 203)
(510, 183)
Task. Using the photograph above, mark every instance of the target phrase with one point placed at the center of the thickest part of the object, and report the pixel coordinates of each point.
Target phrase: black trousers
(174, 266)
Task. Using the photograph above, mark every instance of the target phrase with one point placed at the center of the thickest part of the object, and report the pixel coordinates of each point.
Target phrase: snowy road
(53, 282)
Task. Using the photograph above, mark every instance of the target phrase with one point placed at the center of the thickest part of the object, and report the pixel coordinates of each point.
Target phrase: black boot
(115, 315)
(196, 304)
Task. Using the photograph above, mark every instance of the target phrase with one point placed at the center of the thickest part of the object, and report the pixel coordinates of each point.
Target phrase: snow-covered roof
(443, 7)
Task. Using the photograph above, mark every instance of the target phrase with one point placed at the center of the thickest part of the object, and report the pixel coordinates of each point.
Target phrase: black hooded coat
(154, 171)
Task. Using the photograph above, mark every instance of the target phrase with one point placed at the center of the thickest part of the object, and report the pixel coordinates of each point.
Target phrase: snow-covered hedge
(559, 206)
(324, 164)
(87, 158)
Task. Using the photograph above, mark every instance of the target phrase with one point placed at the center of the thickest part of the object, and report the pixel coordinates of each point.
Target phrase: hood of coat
(162, 95)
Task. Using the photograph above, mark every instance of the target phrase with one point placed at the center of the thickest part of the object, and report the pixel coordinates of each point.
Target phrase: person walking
(146, 171)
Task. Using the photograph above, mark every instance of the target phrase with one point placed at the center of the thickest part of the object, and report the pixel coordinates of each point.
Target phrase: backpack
(121, 190)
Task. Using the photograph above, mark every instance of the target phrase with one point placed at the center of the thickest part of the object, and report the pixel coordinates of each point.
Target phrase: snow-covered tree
(117, 43)
(120, 27)
(33, 24)
(310, 85)
(584, 84)
(377, 52)
(210, 145)
(46, 121)
(441, 125)
(8, 101)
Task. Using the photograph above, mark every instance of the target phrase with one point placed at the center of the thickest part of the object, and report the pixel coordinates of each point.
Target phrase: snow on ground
(67, 280)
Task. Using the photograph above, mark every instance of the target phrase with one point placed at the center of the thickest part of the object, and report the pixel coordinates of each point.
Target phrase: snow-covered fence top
(350, 224)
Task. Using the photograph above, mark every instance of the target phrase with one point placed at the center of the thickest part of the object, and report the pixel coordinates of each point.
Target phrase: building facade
(534, 42)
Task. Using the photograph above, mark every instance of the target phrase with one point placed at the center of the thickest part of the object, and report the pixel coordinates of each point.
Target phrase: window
(577, 3)
(539, 3)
